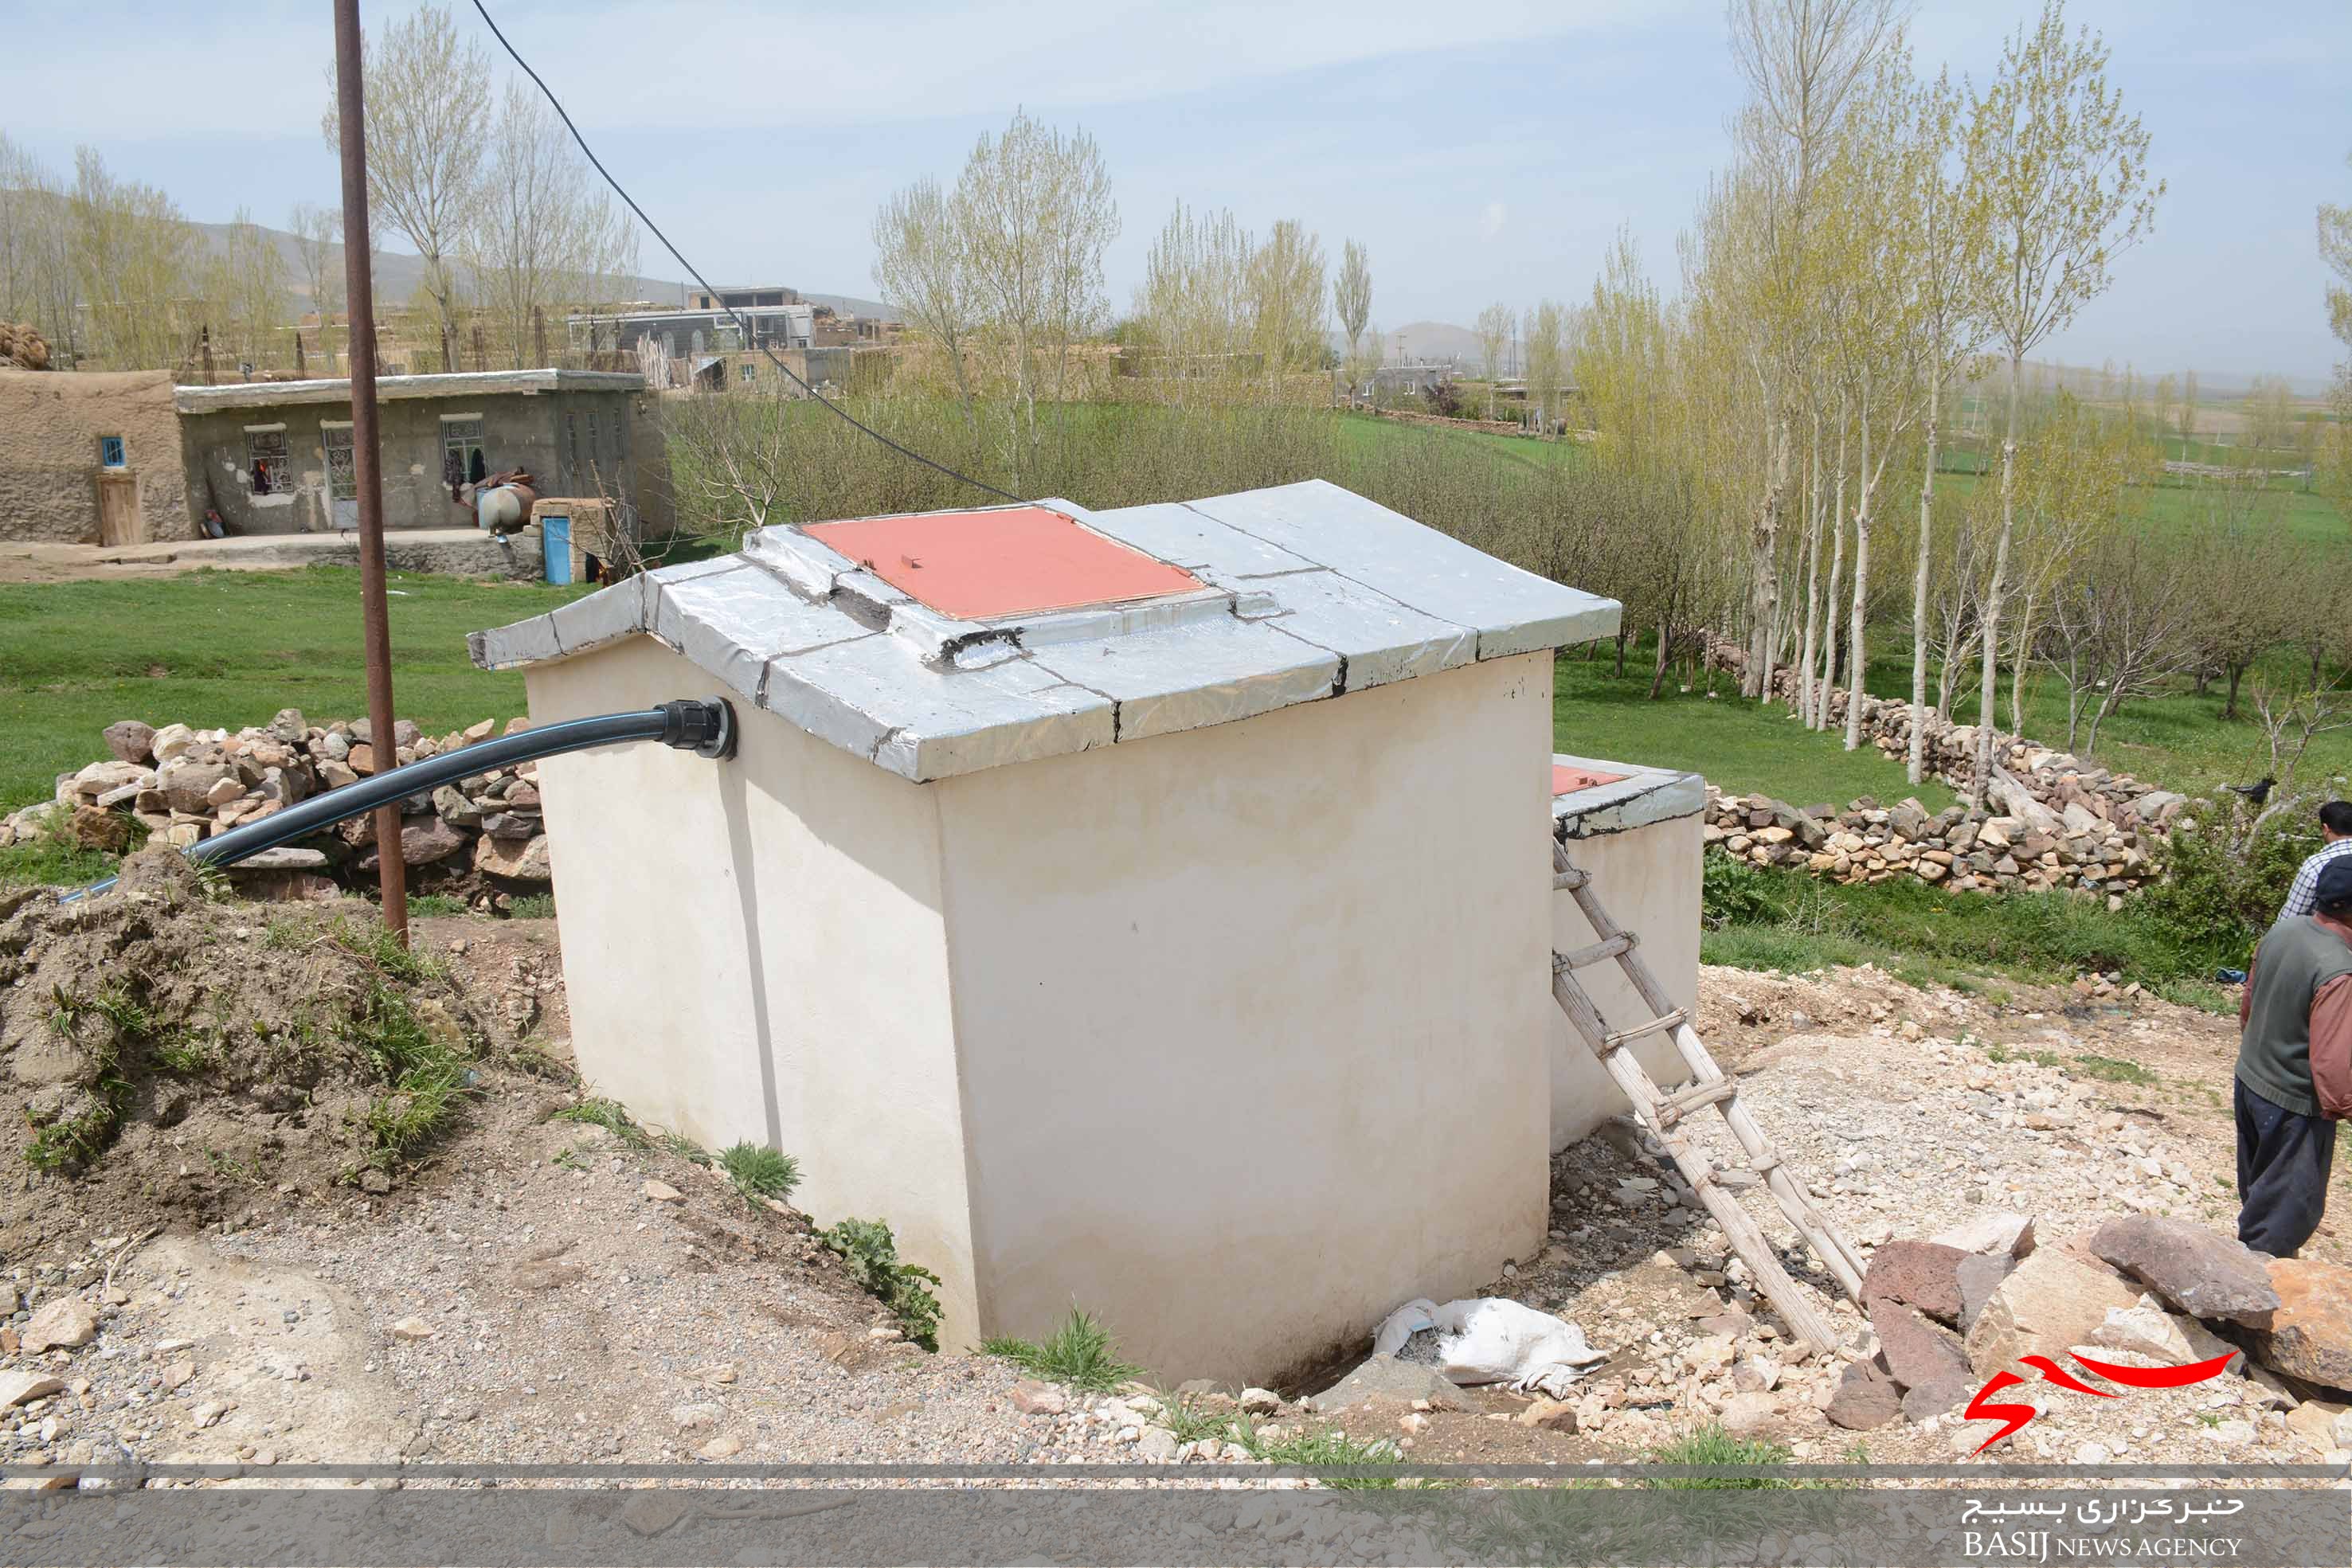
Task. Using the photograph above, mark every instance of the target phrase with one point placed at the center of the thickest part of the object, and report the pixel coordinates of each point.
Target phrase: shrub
(1733, 892)
(871, 1253)
(2217, 901)
(759, 1171)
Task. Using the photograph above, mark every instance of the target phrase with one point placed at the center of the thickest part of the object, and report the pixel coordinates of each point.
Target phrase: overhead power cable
(742, 325)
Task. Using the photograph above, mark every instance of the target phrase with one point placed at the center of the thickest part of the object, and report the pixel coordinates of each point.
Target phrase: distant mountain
(398, 273)
(849, 304)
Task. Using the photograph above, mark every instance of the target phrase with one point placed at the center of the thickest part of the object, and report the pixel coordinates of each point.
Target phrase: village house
(276, 457)
(127, 458)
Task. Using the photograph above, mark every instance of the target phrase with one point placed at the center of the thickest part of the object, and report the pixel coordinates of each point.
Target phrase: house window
(750, 372)
(463, 459)
(571, 447)
(265, 459)
(110, 453)
(342, 470)
(596, 447)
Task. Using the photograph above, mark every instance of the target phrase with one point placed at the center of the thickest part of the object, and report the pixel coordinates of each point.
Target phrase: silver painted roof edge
(1643, 796)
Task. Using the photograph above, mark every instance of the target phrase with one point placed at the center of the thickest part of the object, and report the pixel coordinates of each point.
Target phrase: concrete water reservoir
(1142, 909)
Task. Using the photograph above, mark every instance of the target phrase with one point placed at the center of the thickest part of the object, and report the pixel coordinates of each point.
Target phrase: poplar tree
(2061, 171)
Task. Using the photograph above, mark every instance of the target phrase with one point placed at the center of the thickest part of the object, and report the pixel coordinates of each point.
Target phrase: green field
(231, 648)
(1735, 745)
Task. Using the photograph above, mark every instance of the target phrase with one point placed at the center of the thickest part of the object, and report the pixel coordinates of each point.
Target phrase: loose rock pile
(185, 785)
(1951, 1312)
(1867, 843)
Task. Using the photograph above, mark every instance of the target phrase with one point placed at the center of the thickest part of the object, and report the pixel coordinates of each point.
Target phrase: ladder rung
(1569, 881)
(1671, 1021)
(1674, 1107)
(1583, 957)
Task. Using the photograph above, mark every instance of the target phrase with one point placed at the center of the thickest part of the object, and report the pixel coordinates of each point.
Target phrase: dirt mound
(170, 1057)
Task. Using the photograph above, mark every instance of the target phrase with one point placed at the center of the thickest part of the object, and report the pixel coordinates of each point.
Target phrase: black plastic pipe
(707, 728)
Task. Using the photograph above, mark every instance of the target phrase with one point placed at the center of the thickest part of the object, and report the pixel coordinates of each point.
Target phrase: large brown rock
(95, 828)
(65, 1323)
(423, 840)
(130, 739)
(1926, 1362)
(1866, 1398)
(2049, 1304)
(2200, 1271)
(515, 860)
(1979, 1275)
(2309, 1335)
(2011, 1235)
(1922, 1274)
(187, 784)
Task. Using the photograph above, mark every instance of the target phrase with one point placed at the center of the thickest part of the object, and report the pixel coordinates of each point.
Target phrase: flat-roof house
(275, 457)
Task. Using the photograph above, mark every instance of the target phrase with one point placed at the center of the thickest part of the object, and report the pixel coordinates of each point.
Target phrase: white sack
(1490, 1340)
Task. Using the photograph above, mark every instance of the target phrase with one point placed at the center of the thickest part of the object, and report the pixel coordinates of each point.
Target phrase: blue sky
(1483, 152)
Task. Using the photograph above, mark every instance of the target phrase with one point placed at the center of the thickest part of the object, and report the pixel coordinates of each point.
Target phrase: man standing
(2336, 829)
(2294, 1067)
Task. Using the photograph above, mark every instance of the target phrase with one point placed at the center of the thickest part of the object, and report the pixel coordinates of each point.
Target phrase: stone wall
(2054, 820)
(481, 837)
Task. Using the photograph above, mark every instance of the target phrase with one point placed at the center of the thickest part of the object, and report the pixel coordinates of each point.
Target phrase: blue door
(555, 544)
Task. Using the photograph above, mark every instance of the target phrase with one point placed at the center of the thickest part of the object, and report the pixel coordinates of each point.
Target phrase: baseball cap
(2335, 882)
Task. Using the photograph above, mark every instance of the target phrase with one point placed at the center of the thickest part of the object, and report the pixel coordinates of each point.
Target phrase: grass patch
(191, 1052)
(1712, 1446)
(75, 1131)
(871, 1253)
(686, 1148)
(531, 907)
(1788, 921)
(1080, 1354)
(231, 648)
(375, 942)
(759, 1171)
(53, 859)
(1327, 1448)
(2113, 1070)
(607, 1115)
(434, 905)
(1189, 1420)
(427, 1075)
(1738, 744)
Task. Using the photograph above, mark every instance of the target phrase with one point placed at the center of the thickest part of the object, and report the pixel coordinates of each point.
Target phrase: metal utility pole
(367, 464)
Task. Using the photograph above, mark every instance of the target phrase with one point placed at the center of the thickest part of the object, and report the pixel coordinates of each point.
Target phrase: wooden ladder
(1663, 1114)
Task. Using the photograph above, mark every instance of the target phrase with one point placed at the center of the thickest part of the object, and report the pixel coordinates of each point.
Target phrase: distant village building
(694, 334)
(276, 457)
(128, 458)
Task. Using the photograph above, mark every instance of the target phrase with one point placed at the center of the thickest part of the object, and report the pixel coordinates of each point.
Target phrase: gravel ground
(532, 1298)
